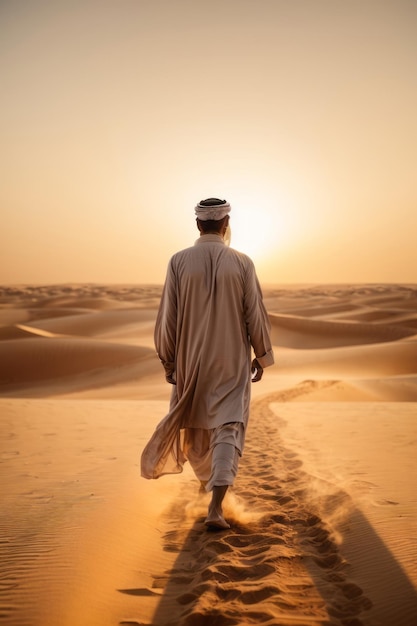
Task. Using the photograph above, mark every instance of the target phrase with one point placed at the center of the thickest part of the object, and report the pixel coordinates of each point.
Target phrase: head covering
(212, 209)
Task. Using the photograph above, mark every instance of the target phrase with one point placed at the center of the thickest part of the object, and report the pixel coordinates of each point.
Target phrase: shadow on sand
(281, 563)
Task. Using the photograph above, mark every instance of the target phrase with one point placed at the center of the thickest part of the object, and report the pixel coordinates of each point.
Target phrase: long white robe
(211, 313)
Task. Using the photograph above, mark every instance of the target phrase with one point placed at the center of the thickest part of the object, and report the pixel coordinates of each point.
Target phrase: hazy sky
(118, 116)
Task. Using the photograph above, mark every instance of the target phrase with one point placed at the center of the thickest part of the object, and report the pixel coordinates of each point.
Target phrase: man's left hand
(257, 371)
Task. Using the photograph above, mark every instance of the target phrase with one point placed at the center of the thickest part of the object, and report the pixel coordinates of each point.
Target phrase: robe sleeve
(166, 322)
(257, 320)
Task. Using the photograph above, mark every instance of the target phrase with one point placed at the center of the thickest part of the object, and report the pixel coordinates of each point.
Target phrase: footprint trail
(279, 563)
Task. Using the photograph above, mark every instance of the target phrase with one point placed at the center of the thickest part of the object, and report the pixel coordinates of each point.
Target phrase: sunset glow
(118, 117)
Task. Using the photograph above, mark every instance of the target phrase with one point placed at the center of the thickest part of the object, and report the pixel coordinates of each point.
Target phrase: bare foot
(215, 519)
(216, 523)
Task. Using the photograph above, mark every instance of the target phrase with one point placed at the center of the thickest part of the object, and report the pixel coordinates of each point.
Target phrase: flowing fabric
(163, 453)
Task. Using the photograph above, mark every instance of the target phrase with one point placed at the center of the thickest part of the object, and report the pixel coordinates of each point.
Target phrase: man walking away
(210, 318)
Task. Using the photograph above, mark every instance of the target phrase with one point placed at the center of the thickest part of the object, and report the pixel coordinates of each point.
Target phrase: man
(211, 313)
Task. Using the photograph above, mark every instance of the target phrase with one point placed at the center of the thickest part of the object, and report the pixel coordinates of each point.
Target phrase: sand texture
(324, 510)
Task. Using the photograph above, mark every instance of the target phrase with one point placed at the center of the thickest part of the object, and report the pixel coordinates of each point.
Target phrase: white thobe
(211, 313)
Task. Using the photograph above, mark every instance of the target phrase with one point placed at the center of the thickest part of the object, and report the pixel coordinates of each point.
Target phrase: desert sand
(324, 509)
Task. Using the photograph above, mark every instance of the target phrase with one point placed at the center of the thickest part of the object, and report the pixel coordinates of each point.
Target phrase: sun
(258, 231)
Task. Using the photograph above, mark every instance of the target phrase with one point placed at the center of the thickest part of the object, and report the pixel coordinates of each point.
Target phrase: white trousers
(214, 454)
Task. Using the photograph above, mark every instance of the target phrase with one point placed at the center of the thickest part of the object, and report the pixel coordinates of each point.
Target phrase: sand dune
(388, 359)
(297, 332)
(387, 389)
(47, 360)
(96, 324)
(323, 511)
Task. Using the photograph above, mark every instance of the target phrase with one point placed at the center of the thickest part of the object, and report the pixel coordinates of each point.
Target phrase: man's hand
(257, 371)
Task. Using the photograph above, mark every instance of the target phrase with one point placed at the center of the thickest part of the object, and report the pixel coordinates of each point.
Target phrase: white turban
(211, 210)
